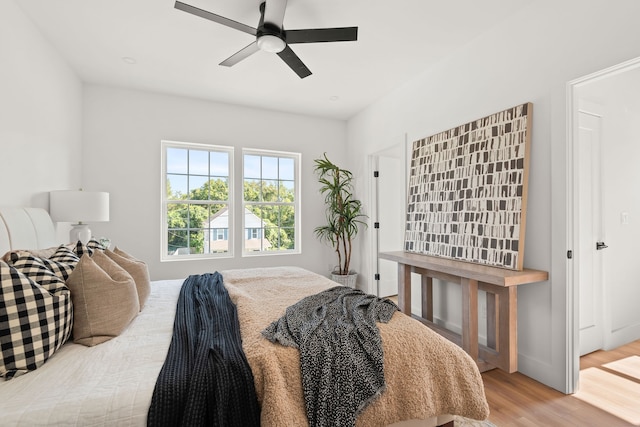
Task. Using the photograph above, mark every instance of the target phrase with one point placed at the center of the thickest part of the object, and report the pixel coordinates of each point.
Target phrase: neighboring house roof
(221, 219)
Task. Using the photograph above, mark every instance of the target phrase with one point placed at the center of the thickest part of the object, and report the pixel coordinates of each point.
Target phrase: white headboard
(25, 228)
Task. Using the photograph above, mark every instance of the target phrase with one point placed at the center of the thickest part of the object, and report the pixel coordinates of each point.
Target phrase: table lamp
(80, 207)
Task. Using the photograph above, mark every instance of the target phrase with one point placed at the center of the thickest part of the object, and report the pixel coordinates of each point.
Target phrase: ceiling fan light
(271, 43)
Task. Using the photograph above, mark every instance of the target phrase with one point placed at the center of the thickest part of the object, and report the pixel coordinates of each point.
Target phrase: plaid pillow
(82, 249)
(34, 322)
(62, 262)
(93, 244)
(65, 255)
(48, 273)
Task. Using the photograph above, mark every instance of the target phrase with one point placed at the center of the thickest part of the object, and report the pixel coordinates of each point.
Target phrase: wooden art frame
(467, 193)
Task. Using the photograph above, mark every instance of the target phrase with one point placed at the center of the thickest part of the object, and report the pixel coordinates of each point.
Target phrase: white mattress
(101, 385)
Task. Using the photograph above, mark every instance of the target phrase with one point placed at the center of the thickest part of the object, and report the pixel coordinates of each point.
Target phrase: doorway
(599, 300)
(388, 219)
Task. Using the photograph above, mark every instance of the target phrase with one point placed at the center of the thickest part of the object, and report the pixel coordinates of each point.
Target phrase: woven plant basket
(345, 279)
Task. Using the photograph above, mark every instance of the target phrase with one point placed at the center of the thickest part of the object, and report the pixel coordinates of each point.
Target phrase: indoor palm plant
(343, 213)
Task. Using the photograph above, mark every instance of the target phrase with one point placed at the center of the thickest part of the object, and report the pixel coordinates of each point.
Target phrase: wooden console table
(500, 286)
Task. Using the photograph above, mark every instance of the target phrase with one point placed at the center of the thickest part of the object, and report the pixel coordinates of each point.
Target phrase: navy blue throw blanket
(206, 379)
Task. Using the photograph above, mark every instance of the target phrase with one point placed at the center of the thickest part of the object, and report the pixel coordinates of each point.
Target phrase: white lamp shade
(79, 206)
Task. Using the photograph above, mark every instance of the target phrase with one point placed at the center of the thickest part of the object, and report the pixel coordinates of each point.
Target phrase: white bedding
(109, 384)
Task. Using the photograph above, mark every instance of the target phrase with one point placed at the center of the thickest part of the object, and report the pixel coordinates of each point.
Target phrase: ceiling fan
(271, 35)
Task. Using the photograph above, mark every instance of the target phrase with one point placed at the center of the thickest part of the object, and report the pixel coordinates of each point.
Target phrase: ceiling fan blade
(215, 18)
(274, 12)
(319, 35)
(292, 60)
(240, 55)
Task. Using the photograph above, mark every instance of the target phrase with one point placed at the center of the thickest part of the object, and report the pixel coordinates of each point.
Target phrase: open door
(590, 237)
(389, 219)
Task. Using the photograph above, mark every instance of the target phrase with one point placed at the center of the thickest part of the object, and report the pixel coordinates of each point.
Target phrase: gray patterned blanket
(341, 355)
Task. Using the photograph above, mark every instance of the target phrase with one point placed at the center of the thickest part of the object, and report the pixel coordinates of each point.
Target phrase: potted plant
(344, 216)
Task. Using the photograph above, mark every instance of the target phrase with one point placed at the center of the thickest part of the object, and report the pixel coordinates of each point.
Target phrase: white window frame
(164, 256)
(297, 161)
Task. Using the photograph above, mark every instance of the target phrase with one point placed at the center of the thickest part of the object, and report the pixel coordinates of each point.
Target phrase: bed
(428, 379)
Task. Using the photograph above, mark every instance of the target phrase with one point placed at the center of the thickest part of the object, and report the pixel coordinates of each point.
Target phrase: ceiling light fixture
(271, 43)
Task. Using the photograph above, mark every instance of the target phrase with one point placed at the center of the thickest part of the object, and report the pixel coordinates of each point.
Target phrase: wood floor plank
(610, 392)
(519, 401)
(629, 366)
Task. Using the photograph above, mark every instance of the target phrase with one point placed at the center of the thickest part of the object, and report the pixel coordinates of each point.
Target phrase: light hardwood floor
(517, 400)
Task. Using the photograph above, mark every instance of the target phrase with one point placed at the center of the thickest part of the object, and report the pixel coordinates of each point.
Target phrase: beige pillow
(120, 252)
(137, 269)
(104, 299)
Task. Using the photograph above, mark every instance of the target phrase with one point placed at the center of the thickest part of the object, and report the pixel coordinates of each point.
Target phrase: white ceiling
(178, 53)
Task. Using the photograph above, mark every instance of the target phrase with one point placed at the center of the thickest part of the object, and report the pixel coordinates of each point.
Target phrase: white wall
(621, 184)
(122, 134)
(40, 115)
(530, 57)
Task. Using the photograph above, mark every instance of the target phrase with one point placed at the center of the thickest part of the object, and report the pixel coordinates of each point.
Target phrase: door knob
(600, 246)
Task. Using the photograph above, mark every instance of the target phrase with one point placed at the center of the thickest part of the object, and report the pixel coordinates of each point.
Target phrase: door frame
(572, 320)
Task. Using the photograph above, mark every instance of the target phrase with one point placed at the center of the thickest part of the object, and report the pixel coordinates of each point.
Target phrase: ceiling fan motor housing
(270, 38)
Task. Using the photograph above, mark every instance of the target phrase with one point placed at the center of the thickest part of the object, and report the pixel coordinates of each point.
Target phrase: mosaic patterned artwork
(468, 191)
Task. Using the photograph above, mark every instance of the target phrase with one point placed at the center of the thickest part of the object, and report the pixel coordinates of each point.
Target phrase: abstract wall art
(467, 193)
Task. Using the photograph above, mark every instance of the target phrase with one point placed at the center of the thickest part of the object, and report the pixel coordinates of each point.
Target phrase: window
(271, 202)
(196, 200)
(220, 233)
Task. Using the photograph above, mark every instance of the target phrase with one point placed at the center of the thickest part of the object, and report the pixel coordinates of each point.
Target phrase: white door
(390, 215)
(591, 239)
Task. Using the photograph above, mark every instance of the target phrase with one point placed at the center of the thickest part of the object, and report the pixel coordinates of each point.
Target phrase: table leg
(427, 297)
(508, 328)
(491, 320)
(470, 316)
(404, 288)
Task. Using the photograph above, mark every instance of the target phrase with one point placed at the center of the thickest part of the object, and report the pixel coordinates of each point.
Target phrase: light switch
(624, 218)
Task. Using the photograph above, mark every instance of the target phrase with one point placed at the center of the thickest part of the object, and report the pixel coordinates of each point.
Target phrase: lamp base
(80, 232)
